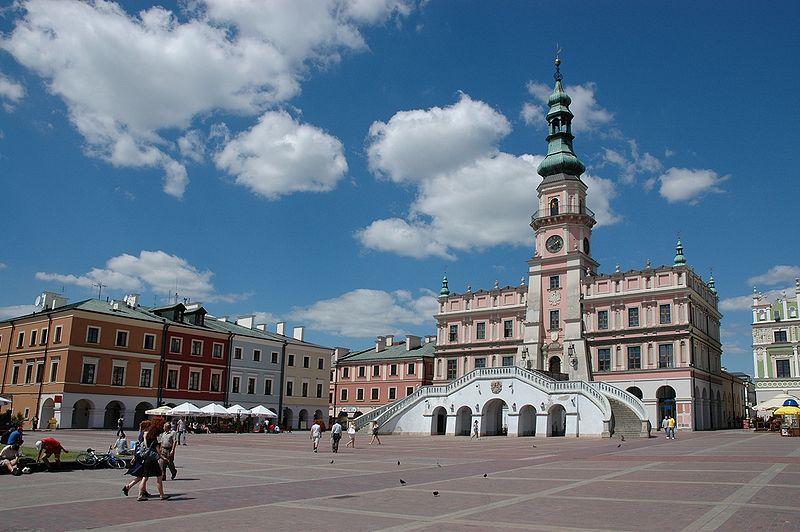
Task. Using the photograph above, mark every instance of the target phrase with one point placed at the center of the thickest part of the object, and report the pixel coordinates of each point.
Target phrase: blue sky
(324, 162)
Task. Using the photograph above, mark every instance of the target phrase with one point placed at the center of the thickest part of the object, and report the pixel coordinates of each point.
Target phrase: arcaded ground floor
(726, 480)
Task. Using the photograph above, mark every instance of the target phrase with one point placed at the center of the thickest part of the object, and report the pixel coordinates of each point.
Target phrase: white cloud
(3, 265)
(13, 311)
(10, 91)
(470, 195)
(127, 80)
(279, 156)
(416, 144)
(589, 115)
(192, 146)
(364, 313)
(156, 271)
(776, 275)
(633, 163)
(683, 184)
(267, 318)
(745, 302)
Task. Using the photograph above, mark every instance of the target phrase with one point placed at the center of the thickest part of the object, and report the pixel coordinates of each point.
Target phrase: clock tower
(554, 336)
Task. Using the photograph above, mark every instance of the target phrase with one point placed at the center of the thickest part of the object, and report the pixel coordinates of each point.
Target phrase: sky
(324, 162)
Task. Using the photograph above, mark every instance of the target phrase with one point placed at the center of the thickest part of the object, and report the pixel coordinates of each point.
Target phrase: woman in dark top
(145, 463)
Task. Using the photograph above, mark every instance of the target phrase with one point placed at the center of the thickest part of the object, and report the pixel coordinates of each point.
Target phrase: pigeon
(485, 475)
(622, 438)
(331, 461)
(438, 464)
(435, 493)
(398, 462)
(402, 482)
(533, 445)
(620, 445)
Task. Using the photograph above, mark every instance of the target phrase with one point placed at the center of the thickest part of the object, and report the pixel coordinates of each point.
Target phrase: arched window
(586, 246)
(553, 206)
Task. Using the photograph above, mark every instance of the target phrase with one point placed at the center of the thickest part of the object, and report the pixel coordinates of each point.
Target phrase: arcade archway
(439, 421)
(556, 421)
(526, 422)
(494, 419)
(464, 421)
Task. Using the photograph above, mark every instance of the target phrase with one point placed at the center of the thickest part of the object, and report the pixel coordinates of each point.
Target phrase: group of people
(10, 455)
(336, 435)
(668, 424)
(154, 455)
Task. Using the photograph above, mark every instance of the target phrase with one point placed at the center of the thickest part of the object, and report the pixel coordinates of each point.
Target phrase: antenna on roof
(100, 287)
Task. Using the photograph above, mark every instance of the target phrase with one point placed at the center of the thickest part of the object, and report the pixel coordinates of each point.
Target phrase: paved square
(727, 480)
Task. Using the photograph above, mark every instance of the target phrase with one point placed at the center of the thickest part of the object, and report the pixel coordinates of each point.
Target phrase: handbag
(149, 455)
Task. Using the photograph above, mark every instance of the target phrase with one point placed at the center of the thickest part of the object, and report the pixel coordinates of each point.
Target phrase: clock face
(554, 244)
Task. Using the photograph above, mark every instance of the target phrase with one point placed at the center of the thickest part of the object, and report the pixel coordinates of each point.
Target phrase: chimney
(380, 344)
(389, 340)
(280, 328)
(261, 326)
(429, 339)
(246, 321)
(338, 354)
(412, 342)
(132, 300)
(297, 333)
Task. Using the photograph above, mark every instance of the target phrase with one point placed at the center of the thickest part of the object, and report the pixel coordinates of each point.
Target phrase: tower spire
(711, 287)
(680, 260)
(445, 291)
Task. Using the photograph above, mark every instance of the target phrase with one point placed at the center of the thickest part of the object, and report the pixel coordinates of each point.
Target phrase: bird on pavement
(435, 493)
(485, 475)
(622, 438)
(398, 462)
(620, 445)
(331, 461)
(402, 482)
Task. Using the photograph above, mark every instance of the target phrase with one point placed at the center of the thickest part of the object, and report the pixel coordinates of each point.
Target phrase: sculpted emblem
(554, 298)
(496, 386)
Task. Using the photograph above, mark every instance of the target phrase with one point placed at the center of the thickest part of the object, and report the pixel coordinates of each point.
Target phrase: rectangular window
(146, 378)
(214, 385)
(343, 395)
(118, 376)
(376, 371)
(175, 345)
(634, 357)
(15, 374)
(20, 339)
(251, 385)
(480, 331)
(665, 356)
(237, 353)
(320, 363)
(172, 379)
(411, 368)
(93, 335)
(392, 394)
(290, 362)
(554, 319)
(268, 387)
(480, 362)
(40, 372)
(57, 338)
(28, 373)
(555, 282)
(87, 376)
(43, 336)
(409, 390)
(319, 389)
(508, 361)
(665, 314)
(345, 373)
(782, 370)
(274, 357)
(33, 337)
(452, 368)
(362, 371)
(150, 341)
(633, 317)
(217, 350)
(374, 392)
(194, 380)
(256, 355)
(508, 329)
(393, 370)
(454, 333)
(54, 370)
(602, 320)
(306, 362)
(122, 339)
(780, 337)
(360, 394)
(304, 389)
(604, 360)
(197, 348)
(237, 382)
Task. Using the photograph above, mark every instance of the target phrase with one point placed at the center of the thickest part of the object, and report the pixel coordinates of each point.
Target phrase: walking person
(671, 427)
(181, 432)
(476, 433)
(34, 423)
(665, 425)
(147, 464)
(375, 437)
(336, 435)
(168, 451)
(316, 435)
(120, 422)
(351, 435)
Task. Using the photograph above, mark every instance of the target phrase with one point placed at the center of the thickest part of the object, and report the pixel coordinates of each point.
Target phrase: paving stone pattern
(725, 480)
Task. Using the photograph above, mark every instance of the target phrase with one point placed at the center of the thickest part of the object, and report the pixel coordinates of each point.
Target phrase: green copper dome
(444, 292)
(680, 260)
(561, 158)
(711, 287)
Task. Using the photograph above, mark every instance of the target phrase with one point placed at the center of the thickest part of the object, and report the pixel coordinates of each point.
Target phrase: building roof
(233, 327)
(395, 351)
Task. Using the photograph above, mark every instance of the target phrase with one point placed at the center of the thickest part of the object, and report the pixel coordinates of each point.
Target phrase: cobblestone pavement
(727, 480)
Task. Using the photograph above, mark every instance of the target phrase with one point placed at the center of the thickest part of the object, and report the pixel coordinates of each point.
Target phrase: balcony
(552, 213)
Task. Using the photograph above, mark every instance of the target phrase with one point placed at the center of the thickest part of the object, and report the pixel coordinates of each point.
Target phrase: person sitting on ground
(121, 445)
(48, 447)
(16, 437)
(9, 458)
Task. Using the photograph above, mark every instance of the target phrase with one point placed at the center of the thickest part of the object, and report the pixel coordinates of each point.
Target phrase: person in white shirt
(9, 457)
(336, 435)
(316, 434)
(351, 435)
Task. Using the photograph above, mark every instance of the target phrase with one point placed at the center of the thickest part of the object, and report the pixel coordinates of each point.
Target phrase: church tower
(554, 336)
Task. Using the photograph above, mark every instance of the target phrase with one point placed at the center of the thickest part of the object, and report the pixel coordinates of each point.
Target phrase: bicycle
(92, 458)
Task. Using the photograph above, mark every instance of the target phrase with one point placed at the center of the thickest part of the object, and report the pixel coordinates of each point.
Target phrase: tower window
(553, 206)
(554, 282)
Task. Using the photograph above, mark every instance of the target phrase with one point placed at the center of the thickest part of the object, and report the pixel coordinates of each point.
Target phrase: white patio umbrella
(3, 400)
(215, 410)
(186, 409)
(262, 411)
(775, 402)
(159, 411)
(238, 410)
